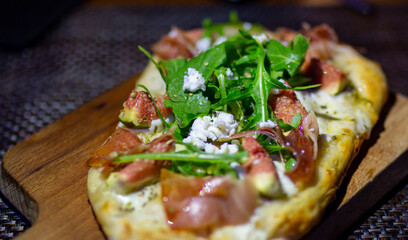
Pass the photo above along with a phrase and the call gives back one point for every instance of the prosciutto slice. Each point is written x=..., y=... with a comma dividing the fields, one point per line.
x=178, y=44
x=121, y=140
x=140, y=173
x=302, y=141
x=205, y=203
x=148, y=170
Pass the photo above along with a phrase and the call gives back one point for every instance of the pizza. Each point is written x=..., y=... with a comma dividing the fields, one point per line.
x=234, y=131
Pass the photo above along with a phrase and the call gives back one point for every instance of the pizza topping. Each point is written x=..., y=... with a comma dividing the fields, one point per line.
x=303, y=143
x=121, y=140
x=321, y=32
x=285, y=105
x=206, y=128
x=139, y=110
x=140, y=173
x=261, y=168
x=230, y=127
x=193, y=81
x=203, y=44
x=205, y=203
x=332, y=80
x=178, y=44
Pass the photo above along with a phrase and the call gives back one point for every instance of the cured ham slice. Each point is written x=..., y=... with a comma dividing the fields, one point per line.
x=322, y=32
x=261, y=168
x=121, y=140
x=142, y=172
x=178, y=44
x=205, y=203
x=302, y=141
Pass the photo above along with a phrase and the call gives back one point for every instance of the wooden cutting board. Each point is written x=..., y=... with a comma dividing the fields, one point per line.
x=45, y=175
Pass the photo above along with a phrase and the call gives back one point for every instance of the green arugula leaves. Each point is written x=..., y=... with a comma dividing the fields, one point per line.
x=239, y=75
x=287, y=58
x=186, y=105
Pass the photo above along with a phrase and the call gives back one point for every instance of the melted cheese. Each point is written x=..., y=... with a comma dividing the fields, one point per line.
x=338, y=114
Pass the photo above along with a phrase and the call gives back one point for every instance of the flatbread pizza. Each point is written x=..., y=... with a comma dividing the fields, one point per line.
x=235, y=132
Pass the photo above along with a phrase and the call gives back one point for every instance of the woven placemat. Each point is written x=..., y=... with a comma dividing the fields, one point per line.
x=95, y=48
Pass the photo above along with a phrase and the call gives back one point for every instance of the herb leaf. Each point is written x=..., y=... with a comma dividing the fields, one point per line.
x=296, y=120
x=186, y=106
x=287, y=58
x=185, y=156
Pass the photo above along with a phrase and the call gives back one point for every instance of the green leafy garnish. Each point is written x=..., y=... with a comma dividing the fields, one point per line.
x=185, y=157
x=186, y=106
x=290, y=164
x=287, y=58
x=296, y=120
x=240, y=74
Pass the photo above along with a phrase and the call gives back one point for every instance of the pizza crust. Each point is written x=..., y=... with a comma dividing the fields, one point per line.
x=288, y=218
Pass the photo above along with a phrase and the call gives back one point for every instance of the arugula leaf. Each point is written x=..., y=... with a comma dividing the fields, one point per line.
x=296, y=120
x=186, y=111
x=171, y=67
x=234, y=95
x=287, y=58
x=186, y=105
x=262, y=88
x=185, y=156
x=152, y=60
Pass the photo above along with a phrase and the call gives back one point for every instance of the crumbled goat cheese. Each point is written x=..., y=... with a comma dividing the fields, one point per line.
x=157, y=125
x=247, y=25
x=220, y=40
x=173, y=33
x=211, y=128
x=203, y=44
x=193, y=81
x=262, y=38
x=275, y=91
x=230, y=74
x=224, y=148
x=267, y=124
x=287, y=185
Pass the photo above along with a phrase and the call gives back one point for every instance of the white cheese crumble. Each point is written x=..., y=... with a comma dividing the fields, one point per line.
x=206, y=128
x=172, y=34
x=287, y=185
x=247, y=25
x=229, y=73
x=157, y=126
x=267, y=124
x=224, y=148
x=203, y=44
x=193, y=81
x=220, y=40
x=262, y=38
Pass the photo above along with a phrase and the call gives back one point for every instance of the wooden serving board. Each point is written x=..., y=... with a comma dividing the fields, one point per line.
x=45, y=175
